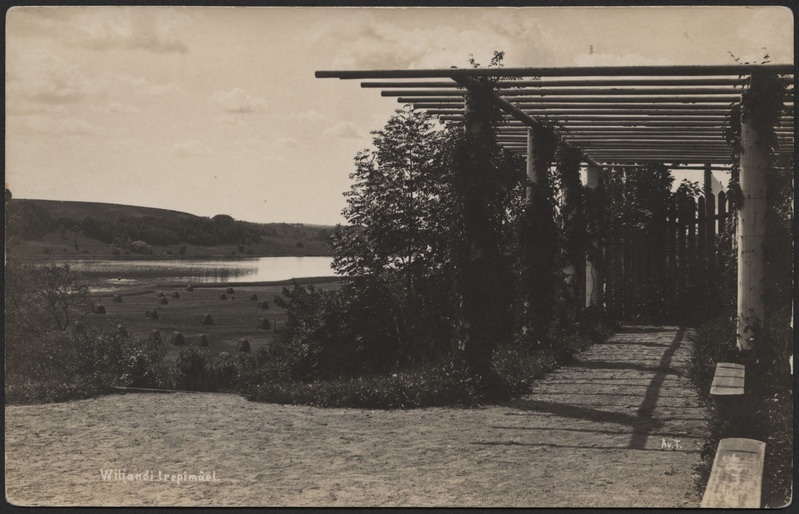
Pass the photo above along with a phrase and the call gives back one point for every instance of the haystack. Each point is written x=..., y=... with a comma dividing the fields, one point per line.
x=230, y=290
x=253, y=296
x=151, y=314
x=264, y=324
x=178, y=339
x=223, y=296
x=207, y=320
x=156, y=336
x=264, y=304
x=202, y=340
x=117, y=298
x=190, y=288
x=100, y=309
x=176, y=295
x=243, y=346
x=163, y=301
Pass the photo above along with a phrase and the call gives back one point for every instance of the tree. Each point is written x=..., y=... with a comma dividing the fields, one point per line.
x=32, y=292
x=399, y=208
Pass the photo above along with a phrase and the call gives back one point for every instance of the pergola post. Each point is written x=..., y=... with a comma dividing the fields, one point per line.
x=594, y=279
x=482, y=283
x=537, y=236
x=573, y=227
x=754, y=165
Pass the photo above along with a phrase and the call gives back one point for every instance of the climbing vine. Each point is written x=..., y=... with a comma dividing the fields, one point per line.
x=761, y=104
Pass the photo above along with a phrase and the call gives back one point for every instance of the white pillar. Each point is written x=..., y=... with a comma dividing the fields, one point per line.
x=593, y=273
x=751, y=233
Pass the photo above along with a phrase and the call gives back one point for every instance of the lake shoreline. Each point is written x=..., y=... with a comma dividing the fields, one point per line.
x=129, y=290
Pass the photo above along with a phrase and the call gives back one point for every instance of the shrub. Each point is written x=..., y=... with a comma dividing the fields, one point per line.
x=192, y=369
x=140, y=247
x=80, y=363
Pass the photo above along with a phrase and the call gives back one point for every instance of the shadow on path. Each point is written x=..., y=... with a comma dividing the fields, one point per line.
x=638, y=418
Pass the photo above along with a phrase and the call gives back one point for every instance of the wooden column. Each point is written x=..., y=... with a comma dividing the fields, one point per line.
x=751, y=230
x=483, y=282
x=537, y=237
x=594, y=279
x=573, y=227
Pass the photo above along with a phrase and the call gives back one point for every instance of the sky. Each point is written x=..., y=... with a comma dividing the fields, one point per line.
x=217, y=111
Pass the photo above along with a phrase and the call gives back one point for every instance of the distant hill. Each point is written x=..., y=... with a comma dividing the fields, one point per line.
x=45, y=229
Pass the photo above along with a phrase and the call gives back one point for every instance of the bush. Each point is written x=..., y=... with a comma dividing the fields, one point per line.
x=192, y=369
x=80, y=363
x=370, y=325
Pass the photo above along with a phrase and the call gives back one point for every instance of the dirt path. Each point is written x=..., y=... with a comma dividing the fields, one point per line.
x=592, y=434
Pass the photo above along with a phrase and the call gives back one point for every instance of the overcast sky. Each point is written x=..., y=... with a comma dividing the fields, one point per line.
x=216, y=110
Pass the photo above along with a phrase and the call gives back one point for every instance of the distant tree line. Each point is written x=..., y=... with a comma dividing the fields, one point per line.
x=27, y=221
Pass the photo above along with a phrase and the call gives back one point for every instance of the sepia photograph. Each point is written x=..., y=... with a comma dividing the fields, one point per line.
x=487, y=257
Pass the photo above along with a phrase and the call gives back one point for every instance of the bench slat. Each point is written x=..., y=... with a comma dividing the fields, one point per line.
x=737, y=475
x=728, y=380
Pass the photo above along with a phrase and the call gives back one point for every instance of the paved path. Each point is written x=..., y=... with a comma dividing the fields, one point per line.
x=619, y=428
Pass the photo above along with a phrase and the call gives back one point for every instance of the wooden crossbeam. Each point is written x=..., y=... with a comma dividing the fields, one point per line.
x=572, y=83
x=673, y=92
x=591, y=100
x=577, y=71
x=603, y=112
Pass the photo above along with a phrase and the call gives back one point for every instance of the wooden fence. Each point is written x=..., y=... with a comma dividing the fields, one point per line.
x=656, y=273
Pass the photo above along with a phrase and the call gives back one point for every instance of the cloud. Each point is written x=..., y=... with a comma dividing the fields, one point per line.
x=428, y=38
x=160, y=89
x=143, y=86
x=623, y=59
x=311, y=117
x=123, y=108
x=237, y=101
x=41, y=76
x=190, y=147
x=45, y=125
x=344, y=130
x=233, y=119
x=287, y=142
x=152, y=30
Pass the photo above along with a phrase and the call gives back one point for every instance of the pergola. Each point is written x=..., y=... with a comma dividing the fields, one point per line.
x=616, y=117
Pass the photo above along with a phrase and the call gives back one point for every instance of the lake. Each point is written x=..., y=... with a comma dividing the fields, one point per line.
x=106, y=275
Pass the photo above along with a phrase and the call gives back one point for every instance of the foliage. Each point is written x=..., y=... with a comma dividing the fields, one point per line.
x=400, y=204
x=79, y=363
x=35, y=293
x=369, y=325
x=637, y=200
x=535, y=245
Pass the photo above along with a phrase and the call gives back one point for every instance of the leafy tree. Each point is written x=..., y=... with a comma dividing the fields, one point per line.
x=36, y=292
x=399, y=208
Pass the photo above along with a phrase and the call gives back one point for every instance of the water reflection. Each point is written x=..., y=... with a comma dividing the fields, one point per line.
x=260, y=269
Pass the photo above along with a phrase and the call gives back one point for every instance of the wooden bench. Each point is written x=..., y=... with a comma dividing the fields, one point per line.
x=736, y=479
x=728, y=393
x=728, y=380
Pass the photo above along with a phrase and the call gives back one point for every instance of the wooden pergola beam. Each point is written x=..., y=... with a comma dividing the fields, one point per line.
x=569, y=107
x=734, y=70
x=674, y=92
x=571, y=83
x=590, y=100
x=617, y=118
x=516, y=113
x=603, y=112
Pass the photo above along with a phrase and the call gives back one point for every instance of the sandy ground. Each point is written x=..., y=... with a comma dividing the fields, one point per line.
x=620, y=428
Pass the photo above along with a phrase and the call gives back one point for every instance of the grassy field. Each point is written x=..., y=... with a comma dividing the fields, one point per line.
x=235, y=318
